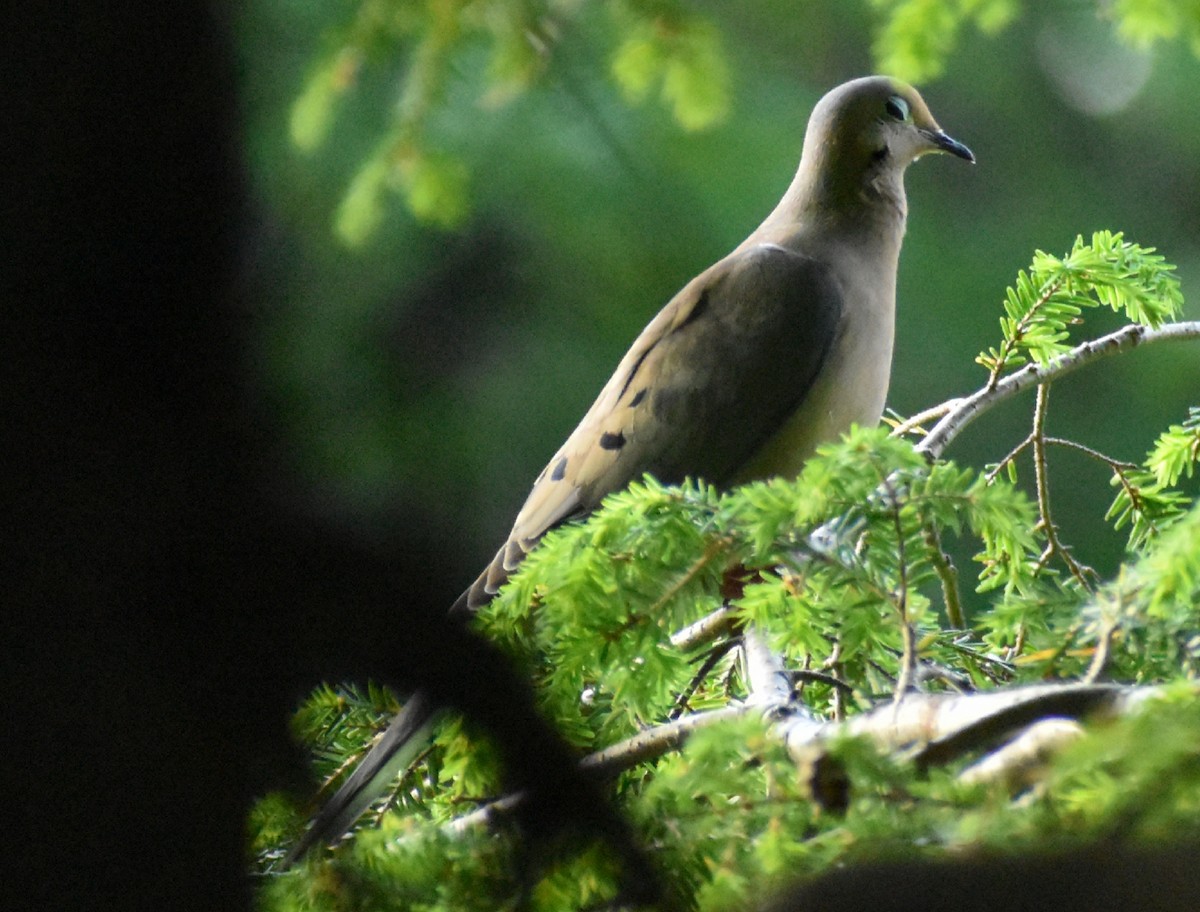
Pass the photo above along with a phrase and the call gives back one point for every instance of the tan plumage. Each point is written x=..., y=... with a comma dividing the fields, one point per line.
x=779, y=346
x=774, y=349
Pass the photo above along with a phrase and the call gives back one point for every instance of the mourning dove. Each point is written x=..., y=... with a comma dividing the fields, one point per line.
x=771, y=351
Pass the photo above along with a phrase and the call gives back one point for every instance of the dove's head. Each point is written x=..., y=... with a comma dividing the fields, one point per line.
x=863, y=134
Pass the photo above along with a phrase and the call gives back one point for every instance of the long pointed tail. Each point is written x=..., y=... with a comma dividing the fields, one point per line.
x=399, y=746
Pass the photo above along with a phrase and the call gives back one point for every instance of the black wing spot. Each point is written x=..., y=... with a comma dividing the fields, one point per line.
x=559, y=470
x=637, y=399
x=612, y=441
x=633, y=371
x=697, y=311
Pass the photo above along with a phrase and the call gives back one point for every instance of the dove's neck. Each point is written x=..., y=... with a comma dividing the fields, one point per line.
x=866, y=209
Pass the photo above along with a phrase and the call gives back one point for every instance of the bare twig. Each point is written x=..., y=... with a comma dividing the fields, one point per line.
x=714, y=656
x=908, y=661
x=1103, y=653
x=1009, y=457
x=816, y=677
x=705, y=630
x=770, y=683
x=1115, y=464
x=965, y=410
x=1054, y=546
x=943, y=566
x=913, y=424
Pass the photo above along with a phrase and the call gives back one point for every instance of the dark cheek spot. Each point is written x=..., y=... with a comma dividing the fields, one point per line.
x=612, y=441
x=879, y=154
x=559, y=470
x=637, y=400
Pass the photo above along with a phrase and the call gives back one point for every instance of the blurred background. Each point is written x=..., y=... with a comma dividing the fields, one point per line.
x=421, y=370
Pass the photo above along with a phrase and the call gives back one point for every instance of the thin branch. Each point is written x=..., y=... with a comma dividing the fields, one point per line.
x=968, y=408
x=1103, y=653
x=1115, y=464
x=1009, y=457
x=908, y=661
x=658, y=740
x=816, y=677
x=770, y=684
x=705, y=630
x=1042, y=483
x=947, y=575
x=914, y=422
x=714, y=656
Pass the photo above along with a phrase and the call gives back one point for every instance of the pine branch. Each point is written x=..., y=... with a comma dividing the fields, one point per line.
x=645, y=745
x=947, y=726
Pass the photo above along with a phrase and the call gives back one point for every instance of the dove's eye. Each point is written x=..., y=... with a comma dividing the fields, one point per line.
x=897, y=108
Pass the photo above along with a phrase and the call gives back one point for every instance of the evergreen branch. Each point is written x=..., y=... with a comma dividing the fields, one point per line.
x=1146, y=499
x=645, y=745
x=1048, y=297
x=714, y=549
x=968, y=408
x=947, y=726
x=1018, y=332
x=659, y=739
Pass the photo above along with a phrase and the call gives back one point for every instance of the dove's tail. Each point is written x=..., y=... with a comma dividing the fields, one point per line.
x=401, y=742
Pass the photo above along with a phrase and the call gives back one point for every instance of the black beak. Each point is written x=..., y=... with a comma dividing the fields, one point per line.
x=946, y=143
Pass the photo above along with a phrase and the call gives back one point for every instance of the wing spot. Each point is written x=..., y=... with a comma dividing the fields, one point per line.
x=612, y=441
x=698, y=310
x=637, y=399
x=559, y=470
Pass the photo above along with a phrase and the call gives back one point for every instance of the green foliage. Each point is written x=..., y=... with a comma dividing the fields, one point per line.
x=1053, y=292
x=682, y=55
x=659, y=44
x=1144, y=22
x=916, y=36
x=1152, y=609
x=1147, y=499
x=593, y=607
x=504, y=49
x=843, y=570
x=869, y=567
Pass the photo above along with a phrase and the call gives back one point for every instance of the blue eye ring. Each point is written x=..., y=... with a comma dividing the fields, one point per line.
x=897, y=108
